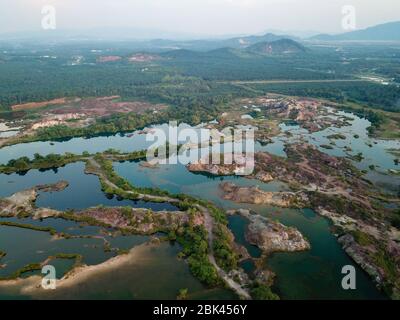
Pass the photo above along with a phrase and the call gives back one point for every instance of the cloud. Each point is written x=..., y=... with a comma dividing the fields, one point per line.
x=243, y=3
x=208, y=17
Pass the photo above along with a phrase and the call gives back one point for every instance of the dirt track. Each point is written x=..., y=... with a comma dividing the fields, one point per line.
x=209, y=223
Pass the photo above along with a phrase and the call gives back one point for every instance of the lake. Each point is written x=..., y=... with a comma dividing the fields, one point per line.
x=306, y=275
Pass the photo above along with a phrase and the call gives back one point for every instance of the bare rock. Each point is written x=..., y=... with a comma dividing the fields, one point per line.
x=265, y=276
x=254, y=195
x=55, y=187
x=22, y=201
x=264, y=177
x=361, y=256
x=271, y=236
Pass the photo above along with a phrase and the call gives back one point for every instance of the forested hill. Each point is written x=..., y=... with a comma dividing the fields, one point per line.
x=278, y=47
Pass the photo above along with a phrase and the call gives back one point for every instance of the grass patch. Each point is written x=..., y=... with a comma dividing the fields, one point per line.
x=362, y=238
x=50, y=230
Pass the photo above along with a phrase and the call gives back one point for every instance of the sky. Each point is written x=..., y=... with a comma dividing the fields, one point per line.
x=197, y=17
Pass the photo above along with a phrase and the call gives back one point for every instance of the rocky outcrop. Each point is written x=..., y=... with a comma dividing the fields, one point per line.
x=149, y=164
x=230, y=164
x=265, y=276
x=43, y=213
x=271, y=236
x=340, y=221
x=135, y=220
x=19, y=202
x=23, y=202
x=254, y=195
x=361, y=255
x=140, y=221
x=217, y=170
x=264, y=177
x=55, y=187
x=375, y=248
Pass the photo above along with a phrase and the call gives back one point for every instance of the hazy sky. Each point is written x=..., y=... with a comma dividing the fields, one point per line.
x=197, y=17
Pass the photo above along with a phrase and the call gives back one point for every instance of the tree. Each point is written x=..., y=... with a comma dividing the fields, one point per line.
x=183, y=294
x=263, y=292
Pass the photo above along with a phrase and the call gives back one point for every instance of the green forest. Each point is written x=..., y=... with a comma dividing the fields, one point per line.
x=185, y=78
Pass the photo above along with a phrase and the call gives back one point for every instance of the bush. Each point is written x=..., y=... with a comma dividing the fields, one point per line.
x=362, y=238
x=395, y=220
x=263, y=292
x=195, y=248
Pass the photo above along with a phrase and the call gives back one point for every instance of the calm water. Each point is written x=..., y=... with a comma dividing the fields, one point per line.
x=375, y=152
x=83, y=191
x=123, y=142
x=312, y=274
x=369, y=147
x=238, y=225
x=24, y=246
x=135, y=280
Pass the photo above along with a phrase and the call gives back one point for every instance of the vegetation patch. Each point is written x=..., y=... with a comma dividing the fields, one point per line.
x=337, y=136
x=50, y=230
x=195, y=249
x=261, y=291
x=31, y=267
x=50, y=161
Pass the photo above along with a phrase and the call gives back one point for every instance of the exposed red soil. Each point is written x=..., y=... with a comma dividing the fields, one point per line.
x=142, y=57
x=105, y=106
x=36, y=105
x=108, y=59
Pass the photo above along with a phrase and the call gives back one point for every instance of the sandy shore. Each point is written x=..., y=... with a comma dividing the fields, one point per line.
x=32, y=286
x=5, y=127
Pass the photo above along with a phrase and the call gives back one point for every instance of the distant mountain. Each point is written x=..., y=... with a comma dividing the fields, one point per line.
x=383, y=32
x=265, y=48
x=278, y=47
x=214, y=44
x=243, y=42
x=293, y=34
x=98, y=34
x=141, y=38
x=181, y=53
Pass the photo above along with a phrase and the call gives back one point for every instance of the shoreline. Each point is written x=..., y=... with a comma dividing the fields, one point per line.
x=32, y=285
